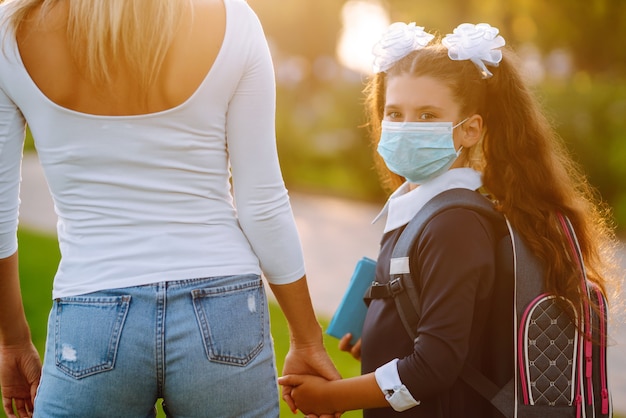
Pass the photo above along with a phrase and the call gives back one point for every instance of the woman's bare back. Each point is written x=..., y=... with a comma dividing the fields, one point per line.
x=45, y=52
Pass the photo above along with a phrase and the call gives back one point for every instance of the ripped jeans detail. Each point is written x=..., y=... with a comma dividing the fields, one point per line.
x=80, y=348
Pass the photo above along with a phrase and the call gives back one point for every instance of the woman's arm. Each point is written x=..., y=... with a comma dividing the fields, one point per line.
x=20, y=365
x=307, y=354
x=263, y=207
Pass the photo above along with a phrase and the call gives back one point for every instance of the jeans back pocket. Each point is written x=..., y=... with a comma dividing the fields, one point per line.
x=231, y=320
x=87, y=333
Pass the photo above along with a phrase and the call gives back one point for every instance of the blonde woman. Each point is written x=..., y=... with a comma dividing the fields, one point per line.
x=146, y=114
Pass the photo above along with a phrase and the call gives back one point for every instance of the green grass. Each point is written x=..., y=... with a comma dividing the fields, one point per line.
x=39, y=256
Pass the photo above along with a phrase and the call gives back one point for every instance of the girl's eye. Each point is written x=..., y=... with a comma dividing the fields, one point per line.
x=393, y=115
x=426, y=116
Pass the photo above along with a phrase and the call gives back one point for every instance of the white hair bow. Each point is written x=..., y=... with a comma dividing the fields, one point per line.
x=477, y=43
x=397, y=42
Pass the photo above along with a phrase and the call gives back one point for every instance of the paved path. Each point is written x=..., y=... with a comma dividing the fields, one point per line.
x=335, y=234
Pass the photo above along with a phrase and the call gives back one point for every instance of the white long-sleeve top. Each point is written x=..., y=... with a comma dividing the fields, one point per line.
x=147, y=198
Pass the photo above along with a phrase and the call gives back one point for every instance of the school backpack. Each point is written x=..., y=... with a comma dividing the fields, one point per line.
x=560, y=369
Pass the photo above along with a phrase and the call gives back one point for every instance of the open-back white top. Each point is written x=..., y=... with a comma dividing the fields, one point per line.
x=147, y=198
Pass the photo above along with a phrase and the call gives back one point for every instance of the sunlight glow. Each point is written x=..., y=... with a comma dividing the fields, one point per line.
x=363, y=23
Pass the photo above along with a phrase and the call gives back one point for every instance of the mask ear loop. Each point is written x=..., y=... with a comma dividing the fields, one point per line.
x=461, y=123
x=458, y=152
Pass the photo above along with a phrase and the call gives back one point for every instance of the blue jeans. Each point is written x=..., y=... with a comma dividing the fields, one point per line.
x=203, y=345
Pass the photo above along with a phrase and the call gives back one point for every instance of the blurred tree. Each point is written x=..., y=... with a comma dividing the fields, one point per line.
x=575, y=49
x=298, y=27
x=319, y=109
x=593, y=31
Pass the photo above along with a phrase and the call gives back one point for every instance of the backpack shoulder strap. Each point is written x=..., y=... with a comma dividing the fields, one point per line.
x=404, y=292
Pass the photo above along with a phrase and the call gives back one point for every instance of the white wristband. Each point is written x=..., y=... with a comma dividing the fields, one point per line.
x=395, y=392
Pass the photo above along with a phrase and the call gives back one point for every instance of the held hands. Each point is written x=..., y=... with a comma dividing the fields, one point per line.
x=20, y=371
x=306, y=360
x=310, y=394
x=308, y=391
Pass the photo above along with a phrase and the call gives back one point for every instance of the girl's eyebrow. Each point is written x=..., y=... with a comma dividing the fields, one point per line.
x=416, y=109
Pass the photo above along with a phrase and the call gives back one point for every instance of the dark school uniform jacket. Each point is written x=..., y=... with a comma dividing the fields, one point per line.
x=462, y=320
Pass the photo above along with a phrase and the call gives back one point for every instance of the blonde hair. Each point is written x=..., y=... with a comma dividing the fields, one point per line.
x=109, y=36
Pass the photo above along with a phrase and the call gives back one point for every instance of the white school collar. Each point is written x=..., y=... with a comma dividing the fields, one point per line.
x=403, y=203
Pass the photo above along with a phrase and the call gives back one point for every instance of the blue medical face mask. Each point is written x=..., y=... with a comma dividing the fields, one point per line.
x=418, y=151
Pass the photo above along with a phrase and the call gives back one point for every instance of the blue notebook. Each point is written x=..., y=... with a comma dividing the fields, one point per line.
x=350, y=314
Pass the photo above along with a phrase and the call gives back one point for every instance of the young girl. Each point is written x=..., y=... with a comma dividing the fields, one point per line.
x=454, y=113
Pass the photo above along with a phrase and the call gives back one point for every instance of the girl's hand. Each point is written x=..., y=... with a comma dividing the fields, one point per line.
x=310, y=393
x=355, y=350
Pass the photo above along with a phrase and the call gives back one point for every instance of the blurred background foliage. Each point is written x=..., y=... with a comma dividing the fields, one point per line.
x=573, y=54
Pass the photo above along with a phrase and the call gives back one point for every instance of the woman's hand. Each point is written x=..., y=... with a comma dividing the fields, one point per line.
x=20, y=371
x=20, y=365
x=355, y=350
